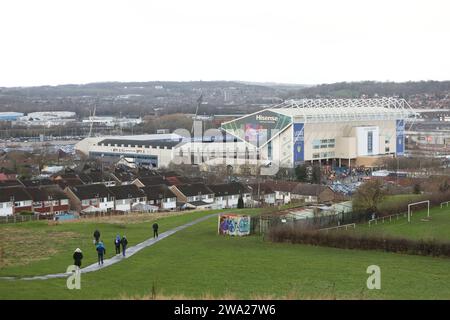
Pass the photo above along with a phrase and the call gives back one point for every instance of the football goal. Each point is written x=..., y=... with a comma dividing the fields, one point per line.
x=417, y=203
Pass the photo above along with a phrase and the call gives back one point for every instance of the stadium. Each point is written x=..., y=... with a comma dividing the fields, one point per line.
x=343, y=131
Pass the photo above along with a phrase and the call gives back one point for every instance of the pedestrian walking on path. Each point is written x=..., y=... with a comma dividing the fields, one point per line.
x=101, y=251
x=77, y=257
x=96, y=236
x=124, y=245
x=116, y=259
x=117, y=242
x=155, y=230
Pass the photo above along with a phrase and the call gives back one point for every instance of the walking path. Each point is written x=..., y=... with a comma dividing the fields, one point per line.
x=118, y=258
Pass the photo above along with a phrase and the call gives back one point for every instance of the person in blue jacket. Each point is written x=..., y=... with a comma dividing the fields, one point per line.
x=117, y=242
x=101, y=251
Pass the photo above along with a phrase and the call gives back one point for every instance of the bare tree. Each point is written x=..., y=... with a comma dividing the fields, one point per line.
x=369, y=196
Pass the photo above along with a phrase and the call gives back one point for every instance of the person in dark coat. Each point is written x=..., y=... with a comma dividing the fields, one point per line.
x=101, y=251
x=77, y=257
x=117, y=242
x=124, y=242
x=96, y=236
x=155, y=230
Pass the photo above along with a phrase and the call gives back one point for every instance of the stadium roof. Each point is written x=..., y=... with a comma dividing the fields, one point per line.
x=326, y=110
x=146, y=143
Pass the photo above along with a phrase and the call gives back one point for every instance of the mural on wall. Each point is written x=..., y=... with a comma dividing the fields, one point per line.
x=234, y=225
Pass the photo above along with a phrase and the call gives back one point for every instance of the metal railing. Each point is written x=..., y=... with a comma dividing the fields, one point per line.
x=445, y=202
x=18, y=218
x=345, y=226
x=384, y=218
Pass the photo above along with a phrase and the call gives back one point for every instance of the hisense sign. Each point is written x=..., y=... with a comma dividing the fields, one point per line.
x=258, y=128
x=261, y=117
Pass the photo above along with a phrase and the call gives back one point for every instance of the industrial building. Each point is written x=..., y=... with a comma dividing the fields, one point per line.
x=47, y=118
x=112, y=121
x=10, y=116
x=342, y=132
x=152, y=150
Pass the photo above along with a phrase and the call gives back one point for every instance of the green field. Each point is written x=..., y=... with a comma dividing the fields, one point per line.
x=438, y=226
x=391, y=200
x=197, y=263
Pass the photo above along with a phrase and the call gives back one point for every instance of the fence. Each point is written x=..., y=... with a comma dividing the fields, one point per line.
x=384, y=218
x=18, y=218
x=100, y=214
x=27, y=218
x=262, y=224
x=345, y=226
x=445, y=202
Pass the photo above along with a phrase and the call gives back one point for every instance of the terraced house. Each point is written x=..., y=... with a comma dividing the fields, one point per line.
x=90, y=198
x=127, y=196
x=227, y=194
x=49, y=200
x=160, y=196
x=14, y=200
x=195, y=195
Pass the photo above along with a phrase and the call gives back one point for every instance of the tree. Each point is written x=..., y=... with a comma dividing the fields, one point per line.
x=240, y=203
x=368, y=196
x=169, y=121
x=286, y=174
x=417, y=188
x=444, y=187
x=316, y=175
x=301, y=173
x=245, y=170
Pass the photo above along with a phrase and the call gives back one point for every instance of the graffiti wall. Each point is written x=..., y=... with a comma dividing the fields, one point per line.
x=234, y=225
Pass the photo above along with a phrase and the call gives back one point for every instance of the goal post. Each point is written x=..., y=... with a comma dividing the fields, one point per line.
x=416, y=203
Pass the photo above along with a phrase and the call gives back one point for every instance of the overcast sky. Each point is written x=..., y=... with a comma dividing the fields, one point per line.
x=306, y=42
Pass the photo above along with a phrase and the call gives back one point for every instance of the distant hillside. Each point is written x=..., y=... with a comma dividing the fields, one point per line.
x=141, y=98
x=372, y=89
x=217, y=97
x=286, y=86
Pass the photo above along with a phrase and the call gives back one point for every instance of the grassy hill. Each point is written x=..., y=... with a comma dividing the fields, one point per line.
x=437, y=228
x=196, y=262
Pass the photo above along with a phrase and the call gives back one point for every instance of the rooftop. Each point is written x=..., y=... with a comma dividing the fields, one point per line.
x=9, y=114
x=126, y=191
x=91, y=191
x=234, y=188
x=146, y=143
x=46, y=193
x=324, y=110
x=14, y=193
x=37, y=182
x=158, y=192
x=194, y=189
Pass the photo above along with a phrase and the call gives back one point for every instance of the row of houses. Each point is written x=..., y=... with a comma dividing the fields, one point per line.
x=126, y=198
x=148, y=192
x=42, y=200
